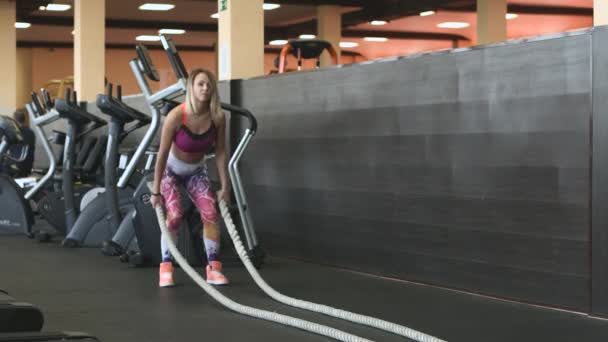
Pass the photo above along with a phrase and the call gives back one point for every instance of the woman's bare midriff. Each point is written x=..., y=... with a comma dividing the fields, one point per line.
x=190, y=158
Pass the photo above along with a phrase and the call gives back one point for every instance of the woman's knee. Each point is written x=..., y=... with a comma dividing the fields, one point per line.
x=211, y=230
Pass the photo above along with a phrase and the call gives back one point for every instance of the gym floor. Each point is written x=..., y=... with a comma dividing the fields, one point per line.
x=81, y=290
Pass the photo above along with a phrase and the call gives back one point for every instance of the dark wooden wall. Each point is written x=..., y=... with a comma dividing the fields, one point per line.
x=466, y=169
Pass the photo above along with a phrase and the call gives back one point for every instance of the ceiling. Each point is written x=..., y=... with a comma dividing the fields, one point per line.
x=408, y=32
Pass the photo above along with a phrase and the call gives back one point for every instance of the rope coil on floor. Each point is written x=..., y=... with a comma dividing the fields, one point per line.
x=324, y=309
x=247, y=310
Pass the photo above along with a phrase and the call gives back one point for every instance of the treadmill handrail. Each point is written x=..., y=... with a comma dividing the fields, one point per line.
x=74, y=112
x=178, y=66
x=154, y=101
x=37, y=122
x=253, y=122
x=113, y=107
x=137, y=115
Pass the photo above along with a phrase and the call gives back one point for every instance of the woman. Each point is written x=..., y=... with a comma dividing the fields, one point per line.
x=190, y=131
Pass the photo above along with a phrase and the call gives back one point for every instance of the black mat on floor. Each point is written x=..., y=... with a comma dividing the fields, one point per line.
x=81, y=290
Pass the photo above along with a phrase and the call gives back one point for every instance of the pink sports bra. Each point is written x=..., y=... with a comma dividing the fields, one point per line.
x=190, y=142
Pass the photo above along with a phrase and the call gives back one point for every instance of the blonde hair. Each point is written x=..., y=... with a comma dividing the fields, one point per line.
x=215, y=108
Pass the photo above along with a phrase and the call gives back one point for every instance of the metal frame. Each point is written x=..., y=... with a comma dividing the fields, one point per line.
x=239, y=192
x=38, y=121
x=153, y=100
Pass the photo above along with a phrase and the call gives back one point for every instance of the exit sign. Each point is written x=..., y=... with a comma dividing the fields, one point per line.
x=223, y=5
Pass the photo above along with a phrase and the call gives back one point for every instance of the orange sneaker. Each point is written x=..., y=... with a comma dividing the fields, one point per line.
x=165, y=274
x=214, y=274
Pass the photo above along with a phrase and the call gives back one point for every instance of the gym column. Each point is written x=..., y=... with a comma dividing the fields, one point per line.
x=8, y=66
x=24, y=85
x=241, y=39
x=491, y=21
x=89, y=48
x=600, y=12
x=329, y=28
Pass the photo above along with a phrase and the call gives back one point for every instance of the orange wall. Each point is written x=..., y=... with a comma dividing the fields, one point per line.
x=57, y=63
x=54, y=63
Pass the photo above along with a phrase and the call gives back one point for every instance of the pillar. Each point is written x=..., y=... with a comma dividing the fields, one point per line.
x=8, y=66
x=24, y=85
x=329, y=28
x=89, y=48
x=491, y=21
x=241, y=39
x=600, y=12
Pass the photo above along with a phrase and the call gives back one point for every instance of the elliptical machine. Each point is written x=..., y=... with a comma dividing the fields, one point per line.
x=79, y=123
x=19, y=216
x=16, y=214
x=100, y=220
x=138, y=224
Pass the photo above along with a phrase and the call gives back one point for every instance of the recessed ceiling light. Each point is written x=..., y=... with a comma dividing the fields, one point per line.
x=156, y=7
x=145, y=38
x=22, y=25
x=375, y=39
x=58, y=7
x=378, y=22
x=307, y=36
x=215, y=16
x=510, y=16
x=278, y=42
x=171, y=31
x=42, y=8
x=269, y=7
x=453, y=25
x=426, y=13
x=348, y=44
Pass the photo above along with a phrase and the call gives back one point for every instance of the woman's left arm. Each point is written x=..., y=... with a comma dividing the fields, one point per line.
x=220, y=160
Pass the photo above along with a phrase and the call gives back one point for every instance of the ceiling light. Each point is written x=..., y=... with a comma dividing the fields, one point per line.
x=42, y=8
x=510, y=16
x=378, y=22
x=348, y=44
x=453, y=25
x=426, y=13
x=375, y=39
x=22, y=25
x=278, y=42
x=145, y=38
x=171, y=31
x=215, y=16
x=156, y=7
x=307, y=36
x=269, y=7
x=58, y=7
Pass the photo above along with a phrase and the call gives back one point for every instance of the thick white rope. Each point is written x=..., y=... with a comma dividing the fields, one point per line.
x=247, y=310
x=324, y=309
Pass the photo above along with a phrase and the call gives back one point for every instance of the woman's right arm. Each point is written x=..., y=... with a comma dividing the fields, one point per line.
x=166, y=139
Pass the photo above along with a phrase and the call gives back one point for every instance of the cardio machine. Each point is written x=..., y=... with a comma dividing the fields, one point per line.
x=100, y=220
x=306, y=49
x=139, y=224
x=16, y=214
x=79, y=123
x=19, y=214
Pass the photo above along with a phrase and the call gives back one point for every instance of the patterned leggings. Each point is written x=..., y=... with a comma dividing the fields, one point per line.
x=199, y=190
